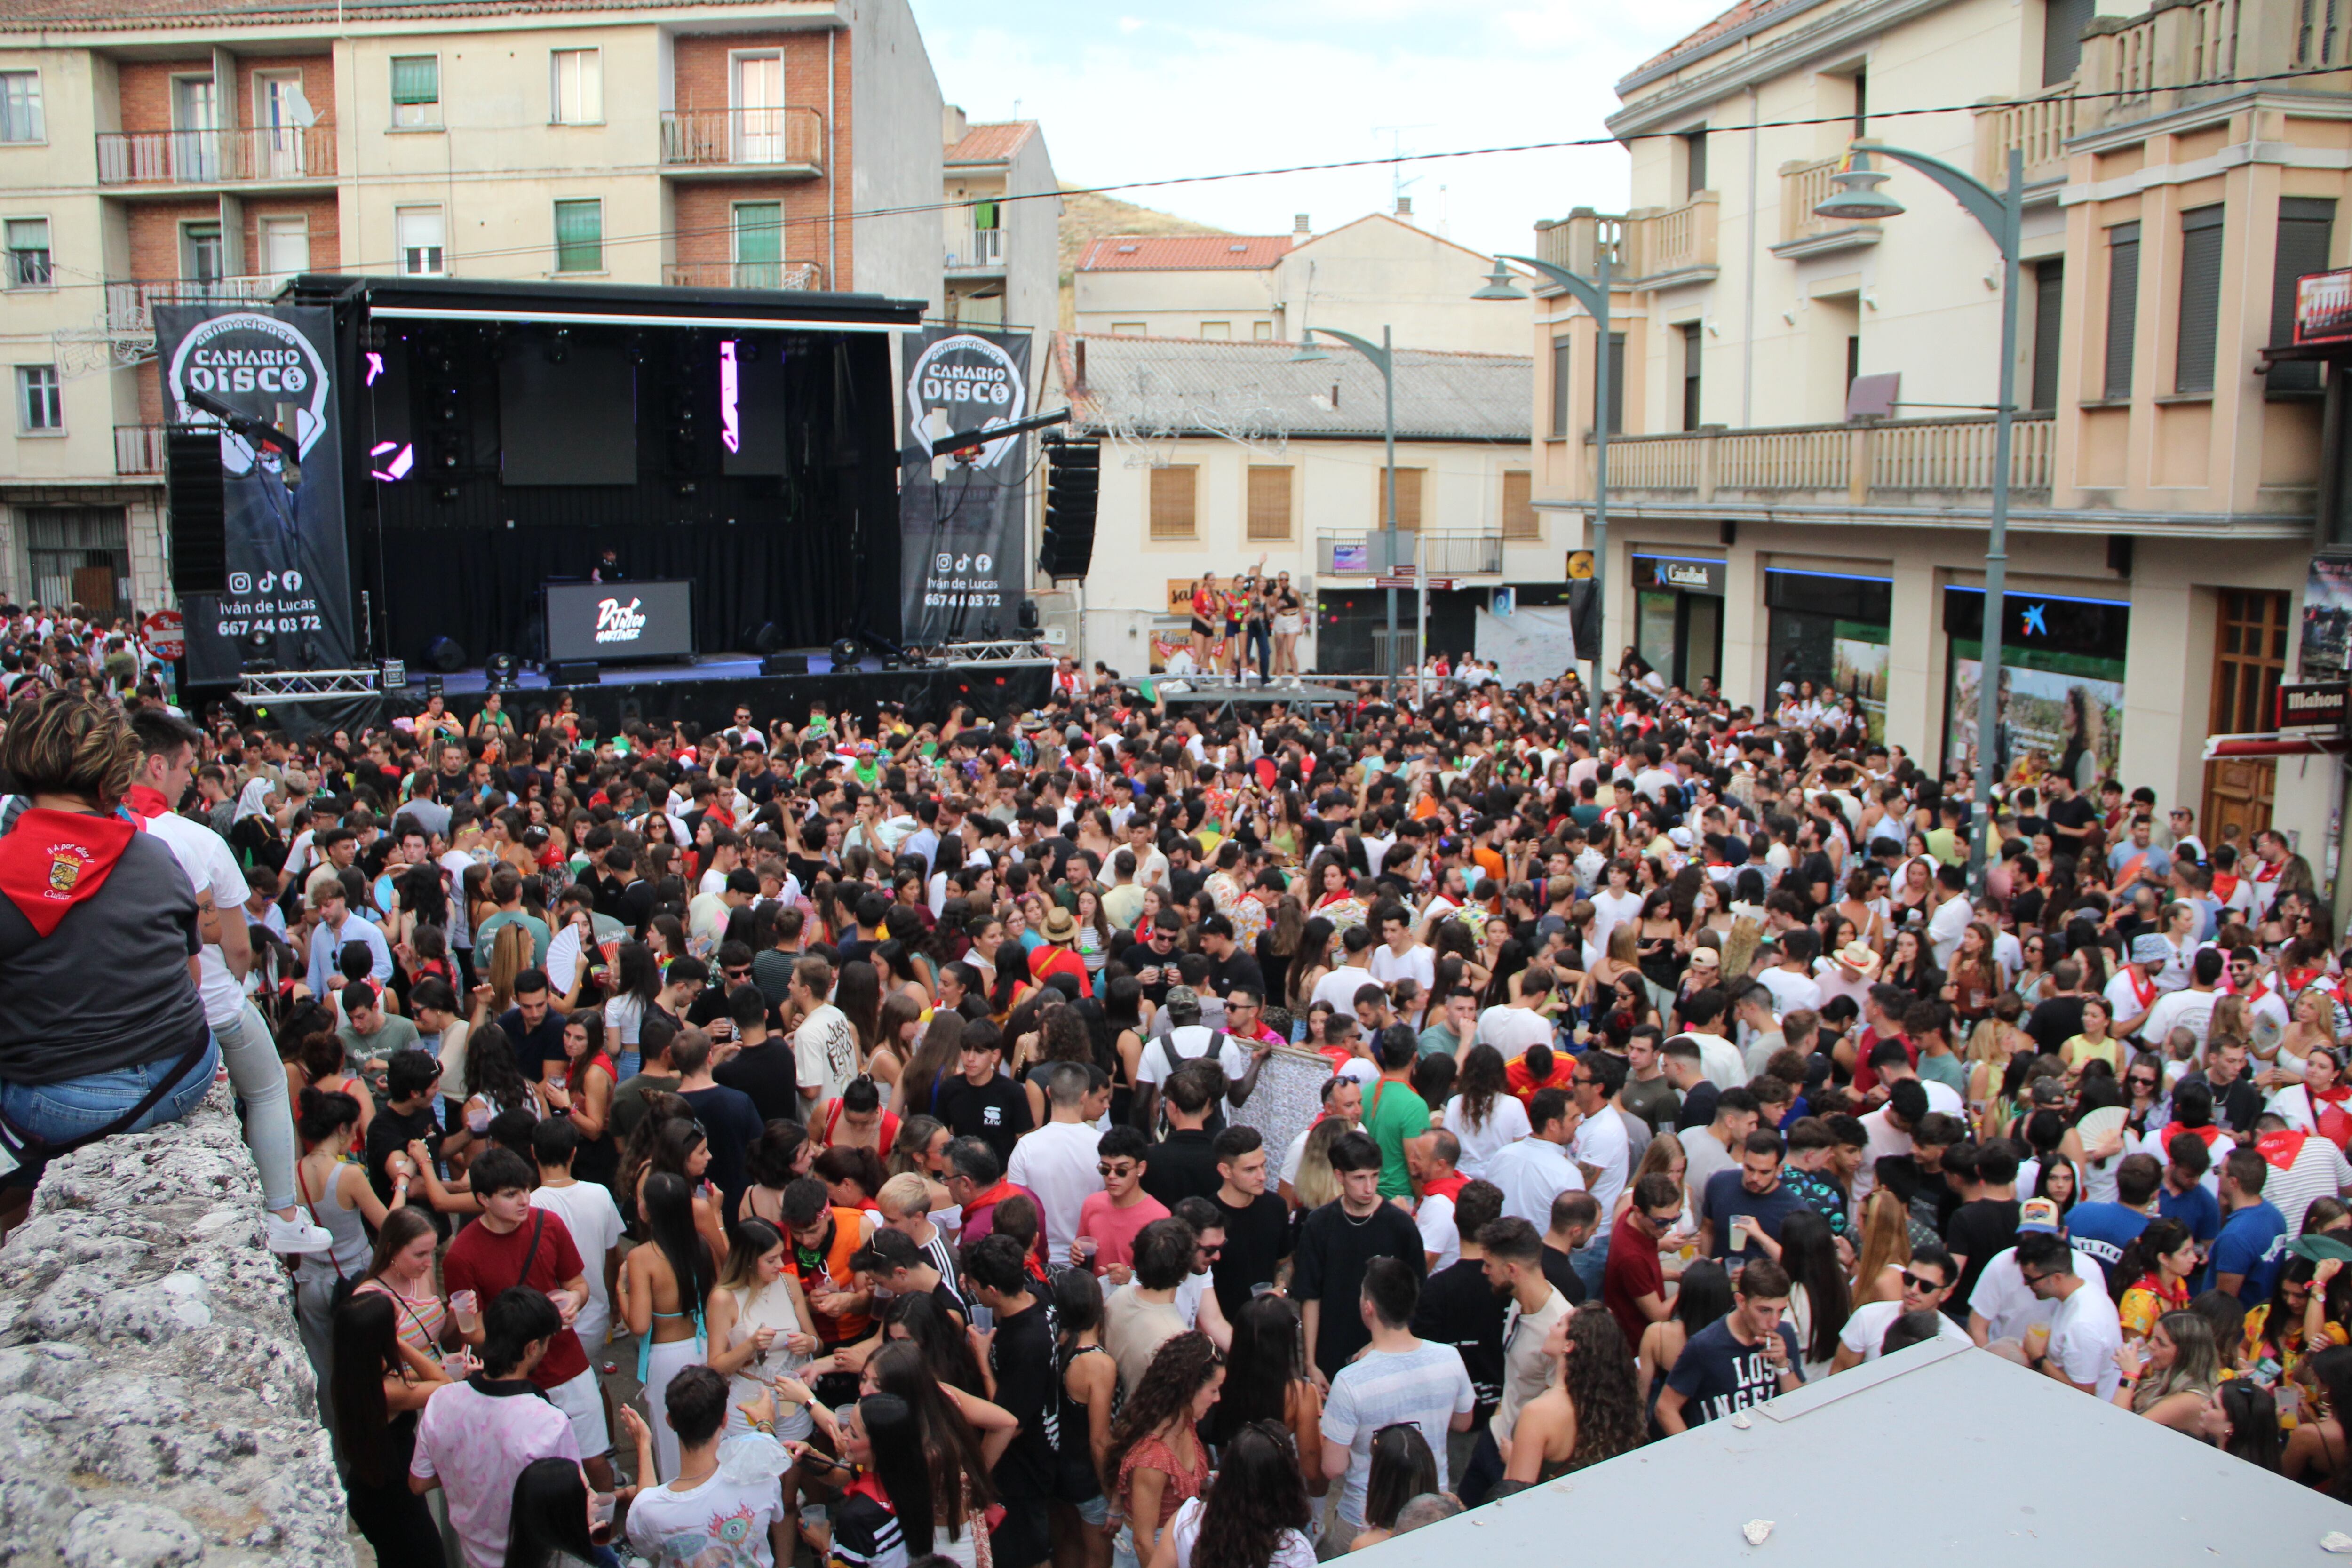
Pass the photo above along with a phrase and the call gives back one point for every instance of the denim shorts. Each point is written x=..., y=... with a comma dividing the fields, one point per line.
x=61, y=1113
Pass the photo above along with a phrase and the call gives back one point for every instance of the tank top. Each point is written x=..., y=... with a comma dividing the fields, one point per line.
x=348, y=1258
x=757, y=1308
x=1183, y=1484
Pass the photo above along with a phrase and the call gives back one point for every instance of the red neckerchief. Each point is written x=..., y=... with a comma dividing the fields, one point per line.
x=2143, y=988
x=146, y=801
x=2203, y=1134
x=1447, y=1188
x=2224, y=884
x=2280, y=1148
x=2266, y=872
x=52, y=860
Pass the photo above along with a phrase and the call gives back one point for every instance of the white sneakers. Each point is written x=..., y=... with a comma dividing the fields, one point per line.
x=295, y=1236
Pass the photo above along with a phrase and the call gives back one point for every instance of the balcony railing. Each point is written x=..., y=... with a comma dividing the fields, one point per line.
x=1901, y=456
x=976, y=250
x=1804, y=186
x=1442, y=555
x=1648, y=242
x=744, y=275
x=215, y=157
x=138, y=449
x=2038, y=126
x=790, y=139
x=130, y=307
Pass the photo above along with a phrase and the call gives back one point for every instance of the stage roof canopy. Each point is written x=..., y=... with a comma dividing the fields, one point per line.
x=490, y=299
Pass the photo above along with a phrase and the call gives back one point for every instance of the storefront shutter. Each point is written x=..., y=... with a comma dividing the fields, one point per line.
x=2201, y=299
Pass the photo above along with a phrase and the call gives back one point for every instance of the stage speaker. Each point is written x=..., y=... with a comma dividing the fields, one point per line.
x=784, y=664
x=446, y=655
x=764, y=638
x=199, y=512
x=572, y=672
x=1073, y=482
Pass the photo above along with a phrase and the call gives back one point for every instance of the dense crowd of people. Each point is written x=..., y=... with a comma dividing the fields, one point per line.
x=1113, y=1135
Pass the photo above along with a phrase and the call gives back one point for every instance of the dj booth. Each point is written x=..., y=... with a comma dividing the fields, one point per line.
x=618, y=623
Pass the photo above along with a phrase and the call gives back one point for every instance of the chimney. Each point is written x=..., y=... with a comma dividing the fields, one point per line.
x=1079, y=380
x=1300, y=225
x=1404, y=206
x=953, y=124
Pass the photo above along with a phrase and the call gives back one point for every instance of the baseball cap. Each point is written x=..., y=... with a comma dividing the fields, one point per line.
x=2038, y=1214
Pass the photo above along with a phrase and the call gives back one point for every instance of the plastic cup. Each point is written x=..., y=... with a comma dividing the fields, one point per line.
x=600, y=1517
x=1739, y=1224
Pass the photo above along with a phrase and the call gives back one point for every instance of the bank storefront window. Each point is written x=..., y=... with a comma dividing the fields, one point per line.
x=2062, y=686
x=1832, y=631
x=1678, y=616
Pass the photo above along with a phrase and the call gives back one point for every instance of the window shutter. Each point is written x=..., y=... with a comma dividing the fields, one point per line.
x=1615, y=366
x=416, y=79
x=2063, y=22
x=2306, y=232
x=1173, y=492
x=1269, y=503
x=1561, y=380
x=1408, y=500
x=2122, y=307
x=1695, y=163
x=578, y=237
x=1520, y=520
x=2201, y=299
x=2049, y=318
x=1693, y=357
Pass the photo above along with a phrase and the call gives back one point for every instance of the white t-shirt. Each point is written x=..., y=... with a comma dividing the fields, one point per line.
x=1439, y=1234
x=1417, y=963
x=1943, y=929
x=1602, y=1143
x=1426, y=1386
x=718, y=1522
x=204, y=856
x=1885, y=1138
x=1721, y=1061
x=2190, y=1009
x=824, y=1051
x=1339, y=988
x=2085, y=1332
x=1506, y=1122
x=1789, y=990
x=2008, y=1306
x=1190, y=1042
x=1058, y=1162
x=587, y=1211
x=1531, y=1173
x=1865, y=1330
x=1610, y=910
x=1511, y=1030
x=1295, y=1550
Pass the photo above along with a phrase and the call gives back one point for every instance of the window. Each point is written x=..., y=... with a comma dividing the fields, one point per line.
x=1269, y=503
x=577, y=94
x=419, y=233
x=2201, y=299
x=1694, y=355
x=1132, y=329
x=1694, y=162
x=1408, y=499
x=1861, y=104
x=1261, y=331
x=759, y=244
x=1173, y=494
x=415, y=89
x=28, y=252
x=2122, y=307
x=2063, y=22
x=1561, y=358
x=2306, y=234
x=1218, y=330
x=580, y=236
x=200, y=252
x=20, y=107
x=2049, y=318
x=39, y=404
x=1615, y=366
x=1521, y=519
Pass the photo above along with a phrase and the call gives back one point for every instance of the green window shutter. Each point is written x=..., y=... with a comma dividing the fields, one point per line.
x=2201, y=299
x=416, y=79
x=2305, y=228
x=580, y=236
x=2122, y=307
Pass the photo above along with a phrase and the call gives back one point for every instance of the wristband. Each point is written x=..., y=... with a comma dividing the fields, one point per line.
x=767, y=1426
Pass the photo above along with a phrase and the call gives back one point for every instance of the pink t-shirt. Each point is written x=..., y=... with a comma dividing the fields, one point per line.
x=478, y=1443
x=1114, y=1228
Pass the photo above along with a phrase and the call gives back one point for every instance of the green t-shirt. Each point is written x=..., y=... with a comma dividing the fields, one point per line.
x=486, y=933
x=1393, y=1114
x=1947, y=1069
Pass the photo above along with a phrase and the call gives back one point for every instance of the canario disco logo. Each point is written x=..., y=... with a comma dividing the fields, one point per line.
x=259, y=363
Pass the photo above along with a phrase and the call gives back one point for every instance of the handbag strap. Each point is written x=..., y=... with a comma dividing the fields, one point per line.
x=530, y=1254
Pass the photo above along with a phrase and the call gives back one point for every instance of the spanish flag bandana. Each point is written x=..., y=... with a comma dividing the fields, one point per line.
x=52, y=860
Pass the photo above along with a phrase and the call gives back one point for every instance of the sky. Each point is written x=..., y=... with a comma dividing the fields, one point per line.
x=1215, y=86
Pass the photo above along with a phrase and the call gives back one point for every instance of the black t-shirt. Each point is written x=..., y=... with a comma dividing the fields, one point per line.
x=996, y=1112
x=1257, y=1238
x=2073, y=812
x=390, y=1133
x=1716, y=1375
x=765, y=1073
x=1182, y=1165
x=1815, y=869
x=2055, y=1021
x=533, y=1047
x=1029, y=1386
x=1140, y=957
x=1274, y=968
x=1977, y=1231
x=1238, y=968
x=1333, y=1249
x=1458, y=1308
x=1699, y=1106
x=732, y=1125
x=1562, y=1275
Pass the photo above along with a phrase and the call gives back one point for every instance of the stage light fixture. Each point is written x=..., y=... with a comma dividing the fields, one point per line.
x=847, y=652
x=501, y=671
x=446, y=655
x=1027, y=618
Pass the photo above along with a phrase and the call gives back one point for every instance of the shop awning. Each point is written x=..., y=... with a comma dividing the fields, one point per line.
x=2276, y=744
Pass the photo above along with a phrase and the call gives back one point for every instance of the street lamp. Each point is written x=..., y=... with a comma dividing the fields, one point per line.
x=2002, y=216
x=1593, y=295
x=1384, y=357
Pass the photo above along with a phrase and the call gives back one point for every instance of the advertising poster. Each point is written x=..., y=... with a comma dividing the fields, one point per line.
x=288, y=578
x=1170, y=640
x=1858, y=668
x=2326, y=618
x=2050, y=719
x=964, y=519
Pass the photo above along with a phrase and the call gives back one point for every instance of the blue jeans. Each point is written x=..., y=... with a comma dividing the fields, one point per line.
x=60, y=1112
x=626, y=1065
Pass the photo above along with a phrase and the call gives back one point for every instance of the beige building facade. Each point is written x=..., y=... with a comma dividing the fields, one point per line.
x=1002, y=227
x=2166, y=482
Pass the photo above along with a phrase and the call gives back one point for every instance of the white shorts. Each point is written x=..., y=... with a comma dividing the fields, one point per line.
x=1286, y=625
x=581, y=1400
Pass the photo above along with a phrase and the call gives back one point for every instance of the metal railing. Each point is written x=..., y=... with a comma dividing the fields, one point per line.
x=790, y=137
x=1892, y=456
x=138, y=449
x=1442, y=555
x=975, y=249
x=130, y=307
x=215, y=157
x=744, y=275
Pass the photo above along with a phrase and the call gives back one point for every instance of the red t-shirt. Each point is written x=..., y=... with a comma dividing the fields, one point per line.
x=1114, y=1228
x=1522, y=1083
x=1632, y=1272
x=1866, y=1077
x=487, y=1263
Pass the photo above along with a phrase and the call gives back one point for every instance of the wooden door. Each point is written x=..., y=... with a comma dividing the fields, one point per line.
x=2248, y=658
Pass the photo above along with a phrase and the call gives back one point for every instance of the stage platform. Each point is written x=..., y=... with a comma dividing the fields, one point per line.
x=1222, y=692
x=706, y=667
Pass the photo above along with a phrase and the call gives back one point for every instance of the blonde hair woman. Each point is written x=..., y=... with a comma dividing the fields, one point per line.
x=1886, y=1248
x=1316, y=1183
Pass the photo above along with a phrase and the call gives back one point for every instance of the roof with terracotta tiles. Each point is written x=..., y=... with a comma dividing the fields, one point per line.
x=1183, y=252
x=118, y=15
x=1198, y=386
x=991, y=143
x=1746, y=11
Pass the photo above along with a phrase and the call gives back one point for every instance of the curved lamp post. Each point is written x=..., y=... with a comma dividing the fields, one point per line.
x=1858, y=198
x=1592, y=293
x=1384, y=357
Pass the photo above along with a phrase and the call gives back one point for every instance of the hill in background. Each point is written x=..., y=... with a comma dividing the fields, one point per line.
x=1087, y=215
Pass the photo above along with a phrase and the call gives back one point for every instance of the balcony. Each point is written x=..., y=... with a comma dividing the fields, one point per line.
x=787, y=141
x=1650, y=247
x=138, y=450
x=2038, y=126
x=270, y=156
x=1442, y=555
x=1804, y=186
x=744, y=275
x=972, y=250
x=1853, y=463
x=130, y=307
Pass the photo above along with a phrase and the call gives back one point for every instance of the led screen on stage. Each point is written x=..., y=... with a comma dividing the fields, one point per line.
x=609, y=621
x=569, y=423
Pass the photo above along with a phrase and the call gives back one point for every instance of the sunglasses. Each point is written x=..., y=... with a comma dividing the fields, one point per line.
x=1921, y=1282
x=1119, y=1171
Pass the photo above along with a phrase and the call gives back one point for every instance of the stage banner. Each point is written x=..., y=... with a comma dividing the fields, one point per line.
x=287, y=572
x=964, y=521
